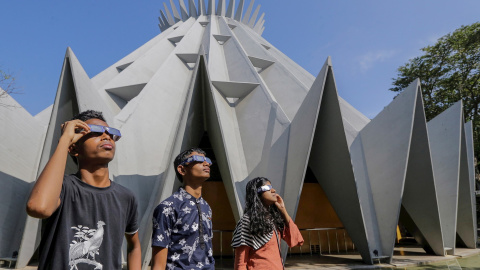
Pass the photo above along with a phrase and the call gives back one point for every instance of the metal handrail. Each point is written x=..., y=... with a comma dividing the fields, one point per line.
x=309, y=230
x=318, y=230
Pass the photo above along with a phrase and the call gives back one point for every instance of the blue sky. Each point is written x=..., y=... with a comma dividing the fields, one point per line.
x=367, y=40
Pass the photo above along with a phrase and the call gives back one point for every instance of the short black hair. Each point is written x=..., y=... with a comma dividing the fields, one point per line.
x=89, y=114
x=182, y=156
x=86, y=115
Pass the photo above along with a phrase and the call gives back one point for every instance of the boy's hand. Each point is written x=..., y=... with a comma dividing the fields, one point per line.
x=73, y=130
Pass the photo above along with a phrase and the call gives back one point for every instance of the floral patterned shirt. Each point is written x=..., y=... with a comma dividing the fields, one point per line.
x=177, y=226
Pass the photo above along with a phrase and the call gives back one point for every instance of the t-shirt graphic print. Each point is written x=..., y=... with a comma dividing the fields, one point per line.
x=86, y=245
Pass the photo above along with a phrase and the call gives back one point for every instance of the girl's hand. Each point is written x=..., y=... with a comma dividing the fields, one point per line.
x=280, y=204
x=281, y=207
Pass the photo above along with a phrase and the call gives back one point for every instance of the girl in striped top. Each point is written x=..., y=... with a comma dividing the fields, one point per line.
x=256, y=238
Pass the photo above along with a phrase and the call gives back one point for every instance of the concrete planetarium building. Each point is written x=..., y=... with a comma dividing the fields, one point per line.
x=210, y=80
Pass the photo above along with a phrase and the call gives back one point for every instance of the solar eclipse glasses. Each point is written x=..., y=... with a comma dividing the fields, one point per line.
x=113, y=132
x=196, y=158
x=264, y=188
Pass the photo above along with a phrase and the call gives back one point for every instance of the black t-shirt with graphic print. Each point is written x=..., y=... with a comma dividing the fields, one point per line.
x=87, y=229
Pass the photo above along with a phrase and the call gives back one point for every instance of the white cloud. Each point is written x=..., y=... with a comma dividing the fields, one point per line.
x=368, y=60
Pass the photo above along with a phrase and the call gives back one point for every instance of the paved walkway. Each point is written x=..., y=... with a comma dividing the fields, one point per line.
x=403, y=257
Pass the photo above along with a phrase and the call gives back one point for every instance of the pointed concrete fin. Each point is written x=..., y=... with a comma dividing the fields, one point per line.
x=161, y=25
x=260, y=28
x=64, y=108
x=471, y=165
x=466, y=215
x=260, y=63
x=444, y=134
x=175, y=40
x=230, y=9
x=87, y=96
x=301, y=134
x=203, y=23
x=164, y=19
x=221, y=8
x=192, y=8
x=239, y=13
x=232, y=26
x=183, y=10
x=201, y=7
x=261, y=31
x=266, y=46
x=248, y=13
x=171, y=21
x=234, y=89
x=386, y=143
x=190, y=59
x=254, y=17
x=176, y=15
x=128, y=92
x=259, y=23
x=221, y=39
x=211, y=7
x=419, y=195
x=331, y=163
x=123, y=67
x=219, y=133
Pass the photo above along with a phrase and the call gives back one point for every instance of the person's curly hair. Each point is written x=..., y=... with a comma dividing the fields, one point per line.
x=89, y=114
x=262, y=219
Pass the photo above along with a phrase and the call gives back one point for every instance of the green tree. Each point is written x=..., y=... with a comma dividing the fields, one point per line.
x=449, y=71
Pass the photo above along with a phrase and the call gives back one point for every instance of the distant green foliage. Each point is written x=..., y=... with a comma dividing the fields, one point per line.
x=448, y=71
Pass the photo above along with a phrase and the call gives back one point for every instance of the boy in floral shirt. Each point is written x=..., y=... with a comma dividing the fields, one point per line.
x=182, y=224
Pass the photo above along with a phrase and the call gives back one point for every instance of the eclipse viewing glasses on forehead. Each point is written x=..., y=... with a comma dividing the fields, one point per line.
x=101, y=129
x=196, y=158
x=264, y=188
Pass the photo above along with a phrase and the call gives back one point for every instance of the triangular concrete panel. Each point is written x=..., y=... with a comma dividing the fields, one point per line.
x=331, y=164
x=175, y=40
x=266, y=46
x=221, y=39
x=386, y=143
x=444, y=132
x=232, y=26
x=188, y=129
x=471, y=165
x=123, y=67
x=420, y=213
x=467, y=228
x=221, y=124
x=128, y=92
x=301, y=137
x=260, y=63
x=203, y=23
x=234, y=89
x=188, y=58
x=64, y=108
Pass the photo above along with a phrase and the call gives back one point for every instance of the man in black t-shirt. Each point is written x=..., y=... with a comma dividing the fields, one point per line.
x=86, y=215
